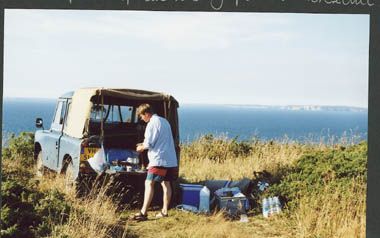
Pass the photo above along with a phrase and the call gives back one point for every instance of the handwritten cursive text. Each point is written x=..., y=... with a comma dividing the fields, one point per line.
x=368, y=3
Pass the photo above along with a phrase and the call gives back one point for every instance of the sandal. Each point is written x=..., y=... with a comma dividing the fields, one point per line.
x=140, y=217
x=161, y=215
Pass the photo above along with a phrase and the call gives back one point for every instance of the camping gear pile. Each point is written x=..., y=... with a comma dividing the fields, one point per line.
x=235, y=198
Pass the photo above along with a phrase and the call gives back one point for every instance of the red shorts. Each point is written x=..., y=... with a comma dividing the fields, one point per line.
x=160, y=174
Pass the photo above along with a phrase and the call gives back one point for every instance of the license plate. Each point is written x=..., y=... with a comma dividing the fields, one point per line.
x=87, y=153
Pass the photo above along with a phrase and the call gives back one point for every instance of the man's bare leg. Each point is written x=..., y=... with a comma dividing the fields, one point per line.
x=148, y=195
x=167, y=194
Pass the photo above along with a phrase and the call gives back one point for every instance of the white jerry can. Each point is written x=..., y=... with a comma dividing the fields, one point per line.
x=204, y=200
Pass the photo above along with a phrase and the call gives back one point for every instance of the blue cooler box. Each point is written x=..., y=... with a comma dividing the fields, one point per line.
x=190, y=194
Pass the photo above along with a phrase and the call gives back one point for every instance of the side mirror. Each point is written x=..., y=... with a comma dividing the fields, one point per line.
x=39, y=123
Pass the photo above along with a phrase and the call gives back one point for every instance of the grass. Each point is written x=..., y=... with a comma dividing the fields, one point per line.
x=324, y=186
x=93, y=216
x=336, y=212
x=220, y=158
x=181, y=224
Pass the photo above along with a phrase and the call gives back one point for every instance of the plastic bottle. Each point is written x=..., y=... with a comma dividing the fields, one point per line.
x=271, y=206
x=277, y=204
x=204, y=200
x=265, y=207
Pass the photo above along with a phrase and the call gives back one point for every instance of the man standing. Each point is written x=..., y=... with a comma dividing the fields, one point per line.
x=163, y=164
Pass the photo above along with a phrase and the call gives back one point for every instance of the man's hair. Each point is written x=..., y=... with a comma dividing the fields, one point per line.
x=144, y=108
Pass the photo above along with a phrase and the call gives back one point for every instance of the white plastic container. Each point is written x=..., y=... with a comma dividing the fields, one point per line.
x=271, y=206
x=266, y=207
x=204, y=200
x=277, y=204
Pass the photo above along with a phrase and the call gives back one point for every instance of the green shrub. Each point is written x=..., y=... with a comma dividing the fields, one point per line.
x=27, y=212
x=17, y=213
x=240, y=148
x=20, y=147
x=313, y=171
x=13, y=232
x=53, y=207
x=217, y=149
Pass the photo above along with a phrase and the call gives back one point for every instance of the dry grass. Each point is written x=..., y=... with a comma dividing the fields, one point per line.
x=98, y=216
x=337, y=212
x=17, y=170
x=94, y=216
x=203, y=160
x=182, y=224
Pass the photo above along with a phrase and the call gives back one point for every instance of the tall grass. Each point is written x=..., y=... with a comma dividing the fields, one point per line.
x=336, y=208
x=96, y=215
x=336, y=212
x=222, y=158
x=54, y=206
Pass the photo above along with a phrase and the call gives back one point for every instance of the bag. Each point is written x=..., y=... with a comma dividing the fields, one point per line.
x=98, y=162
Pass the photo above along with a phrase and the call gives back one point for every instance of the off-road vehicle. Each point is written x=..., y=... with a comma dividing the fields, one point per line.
x=91, y=118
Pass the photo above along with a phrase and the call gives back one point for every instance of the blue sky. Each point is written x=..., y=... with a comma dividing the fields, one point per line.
x=221, y=58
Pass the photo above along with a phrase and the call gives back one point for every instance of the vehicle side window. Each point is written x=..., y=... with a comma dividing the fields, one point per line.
x=63, y=112
x=113, y=115
x=96, y=112
x=59, y=115
x=68, y=111
x=127, y=114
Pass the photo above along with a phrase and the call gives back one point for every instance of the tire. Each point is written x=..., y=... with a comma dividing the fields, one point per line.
x=40, y=168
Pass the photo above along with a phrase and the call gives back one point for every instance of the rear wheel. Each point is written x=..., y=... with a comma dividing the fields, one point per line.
x=40, y=168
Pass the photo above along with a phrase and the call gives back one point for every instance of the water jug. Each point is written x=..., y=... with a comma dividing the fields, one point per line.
x=265, y=207
x=271, y=206
x=277, y=204
x=204, y=200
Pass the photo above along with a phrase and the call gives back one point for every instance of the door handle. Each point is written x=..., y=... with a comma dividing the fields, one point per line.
x=56, y=145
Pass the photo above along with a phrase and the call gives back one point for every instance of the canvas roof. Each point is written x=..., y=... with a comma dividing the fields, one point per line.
x=80, y=108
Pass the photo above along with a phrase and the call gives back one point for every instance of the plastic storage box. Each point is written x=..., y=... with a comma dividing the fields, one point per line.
x=190, y=194
x=232, y=205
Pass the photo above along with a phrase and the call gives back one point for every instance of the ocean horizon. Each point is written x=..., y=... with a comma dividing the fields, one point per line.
x=242, y=122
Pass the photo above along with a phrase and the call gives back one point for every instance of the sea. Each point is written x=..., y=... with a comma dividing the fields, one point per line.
x=242, y=123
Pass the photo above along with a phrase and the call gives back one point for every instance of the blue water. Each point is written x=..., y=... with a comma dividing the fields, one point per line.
x=20, y=114
x=195, y=120
x=247, y=123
